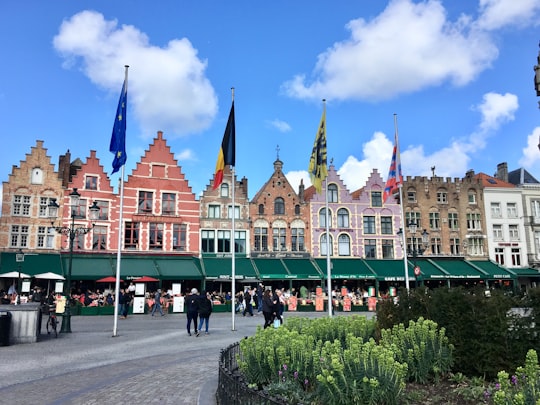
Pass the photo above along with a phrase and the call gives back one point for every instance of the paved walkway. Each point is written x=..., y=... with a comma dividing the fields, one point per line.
x=151, y=360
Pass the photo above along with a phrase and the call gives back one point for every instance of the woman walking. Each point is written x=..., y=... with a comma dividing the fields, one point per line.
x=268, y=308
x=205, y=309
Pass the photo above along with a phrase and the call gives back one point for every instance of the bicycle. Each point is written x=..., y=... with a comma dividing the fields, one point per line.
x=52, y=322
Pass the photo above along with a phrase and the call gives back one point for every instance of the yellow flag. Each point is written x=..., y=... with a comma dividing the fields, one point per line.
x=317, y=162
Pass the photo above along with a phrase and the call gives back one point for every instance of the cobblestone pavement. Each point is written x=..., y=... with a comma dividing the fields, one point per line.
x=152, y=360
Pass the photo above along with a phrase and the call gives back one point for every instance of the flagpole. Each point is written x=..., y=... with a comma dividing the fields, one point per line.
x=233, y=245
x=402, y=210
x=328, y=262
x=120, y=233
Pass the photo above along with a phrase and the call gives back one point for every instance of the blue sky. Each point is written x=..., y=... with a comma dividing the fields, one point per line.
x=458, y=74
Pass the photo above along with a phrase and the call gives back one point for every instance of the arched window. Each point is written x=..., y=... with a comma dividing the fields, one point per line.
x=343, y=218
x=324, y=247
x=297, y=209
x=261, y=209
x=279, y=206
x=224, y=191
x=344, y=245
x=322, y=217
x=332, y=193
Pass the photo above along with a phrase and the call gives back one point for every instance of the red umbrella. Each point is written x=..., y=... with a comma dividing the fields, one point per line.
x=109, y=279
x=144, y=279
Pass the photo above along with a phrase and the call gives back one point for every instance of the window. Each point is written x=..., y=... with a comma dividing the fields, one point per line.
x=436, y=246
x=224, y=241
x=388, y=249
x=453, y=222
x=168, y=203
x=511, y=210
x=442, y=197
x=386, y=226
x=370, y=249
x=214, y=211
x=454, y=246
x=475, y=247
x=472, y=197
x=322, y=218
x=332, y=193
x=37, y=176
x=499, y=256
x=376, y=199
x=413, y=217
x=145, y=202
x=103, y=210
x=99, y=238
x=537, y=243
x=297, y=209
x=80, y=210
x=155, y=236
x=131, y=235
x=513, y=232
x=208, y=241
x=279, y=206
x=179, y=237
x=261, y=209
x=19, y=236
x=224, y=190
x=236, y=212
x=342, y=218
x=21, y=205
x=44, y=206
x=516, y=257
x=297, y=239
x=434, y=220
x=344, y=245
x=535, y=209
x=369, y=224
x=496, y=210
x=325, y=247
x=411, y=196
x=240, y=241
x=278, y=239
x=78, y=242
x=261, y=239
x=473, y=222
x=91, y=183
x=497, y=232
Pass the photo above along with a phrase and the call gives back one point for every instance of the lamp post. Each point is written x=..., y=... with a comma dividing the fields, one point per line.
x=19, y=258
x=416, y=249
x=71, y=232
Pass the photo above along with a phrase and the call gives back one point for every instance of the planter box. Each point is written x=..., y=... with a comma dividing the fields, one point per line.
x=89, y=311
x=222, y=308
x=359, y=308
x=306, y=308
x=108, y=310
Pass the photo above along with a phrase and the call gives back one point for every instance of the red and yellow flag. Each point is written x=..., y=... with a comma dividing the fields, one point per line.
x=227, y=151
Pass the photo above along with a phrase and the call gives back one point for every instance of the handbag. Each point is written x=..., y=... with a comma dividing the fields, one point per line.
x=277, y=323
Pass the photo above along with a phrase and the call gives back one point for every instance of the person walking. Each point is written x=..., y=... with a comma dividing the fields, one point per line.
x=205, y=310
x=192, y=310
x=260, y=290
x=268, y=308
x=248, y=305
x=157, y=303
x=123, y=301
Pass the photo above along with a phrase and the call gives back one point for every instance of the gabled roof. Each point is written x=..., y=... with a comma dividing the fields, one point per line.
x=521, y=176
x=492, y=182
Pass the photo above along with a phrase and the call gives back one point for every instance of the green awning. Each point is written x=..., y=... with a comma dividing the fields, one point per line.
x=389, y=270
x=177, y=268
x=346, y=269
x=221, y=268
x=428, y=270
x=302, y=269
x=525, y=272
x=33, y=263
x=89, y=267
x=459, y=269
x=492, y=270
x=132, y=266
x=271, y=269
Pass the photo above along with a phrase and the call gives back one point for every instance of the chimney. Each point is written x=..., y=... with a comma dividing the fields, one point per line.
x=502, y=171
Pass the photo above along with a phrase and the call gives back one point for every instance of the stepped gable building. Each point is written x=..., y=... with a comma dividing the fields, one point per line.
x=92, y=183
x=26, y=194
x=529, y=188
x=378, y=221
x=161, y=213
x=451, y=211
x=505, y=229
x=279, y=219
x=216, y=214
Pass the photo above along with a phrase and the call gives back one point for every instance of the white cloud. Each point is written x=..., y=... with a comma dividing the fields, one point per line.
x=497, y=109
x=281, y=126
x=294, y=177
x=167, y=87
x=186, y=154
x=496, y=14
x=408, y=47
x=531, y=155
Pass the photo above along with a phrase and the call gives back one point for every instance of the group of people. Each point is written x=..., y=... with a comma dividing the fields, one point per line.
x=198, y=307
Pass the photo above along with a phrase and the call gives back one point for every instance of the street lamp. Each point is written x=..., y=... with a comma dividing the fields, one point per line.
x=71, y=232
x=19, y=258
x=416, y=249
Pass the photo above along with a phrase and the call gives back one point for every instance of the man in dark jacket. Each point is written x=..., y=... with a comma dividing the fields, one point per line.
x=205, y=309
x=192, y=310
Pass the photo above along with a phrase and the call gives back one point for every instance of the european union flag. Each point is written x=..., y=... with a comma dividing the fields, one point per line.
x=118, y=139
